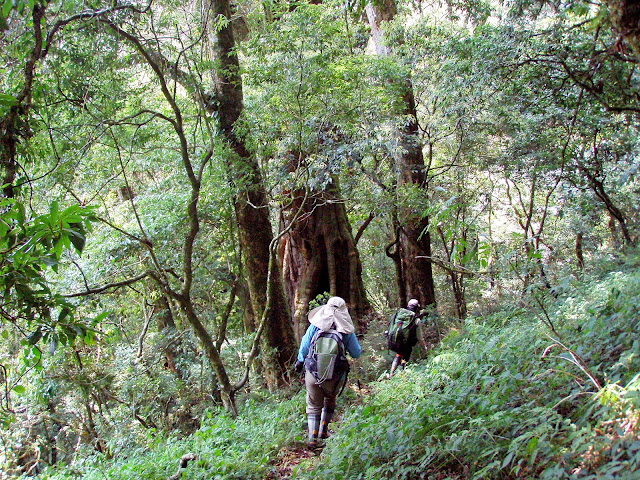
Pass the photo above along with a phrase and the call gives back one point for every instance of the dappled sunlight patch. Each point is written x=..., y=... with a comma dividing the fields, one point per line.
x=616, y=446
x=615, y=449
x=360, y=388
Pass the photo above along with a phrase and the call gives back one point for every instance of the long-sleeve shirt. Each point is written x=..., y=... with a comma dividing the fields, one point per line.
x=351, y=344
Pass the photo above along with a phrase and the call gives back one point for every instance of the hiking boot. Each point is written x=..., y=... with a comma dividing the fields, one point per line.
x=315, y=445
x=325, y=419
x=313, y=420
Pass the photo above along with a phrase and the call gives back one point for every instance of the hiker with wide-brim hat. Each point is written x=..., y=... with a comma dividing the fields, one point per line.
x=334, y=320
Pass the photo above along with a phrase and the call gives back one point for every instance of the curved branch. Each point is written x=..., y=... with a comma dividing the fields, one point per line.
x=125, y=120
x=363, y=227
x=453, y=268
x=123, y=232
x=387, y=249
x=195, y=181
x=88, y=15
x=224, y=321
x=109, y=286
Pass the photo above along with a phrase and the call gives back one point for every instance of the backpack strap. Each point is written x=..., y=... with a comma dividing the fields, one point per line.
x=346, y=378
x=392, y=320
x=343, y=352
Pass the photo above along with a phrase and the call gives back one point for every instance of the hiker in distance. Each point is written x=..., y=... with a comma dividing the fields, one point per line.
x=329, y=337
x=405, y=330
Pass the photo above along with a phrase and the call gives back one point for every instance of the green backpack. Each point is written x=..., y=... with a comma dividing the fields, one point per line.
x=400, y=325
x=327, y=358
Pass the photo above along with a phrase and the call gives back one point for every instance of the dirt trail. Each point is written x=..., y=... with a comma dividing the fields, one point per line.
x=288, y=459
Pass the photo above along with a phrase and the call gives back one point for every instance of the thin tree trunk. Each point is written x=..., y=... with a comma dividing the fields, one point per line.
x=15, y=123
x=165, y=323
x=183, y=297
x=579, y=251
x=52, y=436
x=456, y=278
x=596, y=180
x=212, y=353
x=614, y=211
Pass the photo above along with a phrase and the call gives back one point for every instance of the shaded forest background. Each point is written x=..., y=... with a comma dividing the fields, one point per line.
x=183, y=181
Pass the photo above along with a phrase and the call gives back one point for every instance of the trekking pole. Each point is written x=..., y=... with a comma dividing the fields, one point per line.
x=358, y=382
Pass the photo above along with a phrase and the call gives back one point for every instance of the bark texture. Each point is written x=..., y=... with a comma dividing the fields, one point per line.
x=251, y=206
x=15, y=124
x=319, y=255
x=412, y=249
x=625, y=19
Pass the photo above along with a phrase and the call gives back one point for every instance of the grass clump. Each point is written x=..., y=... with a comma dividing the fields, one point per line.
x=225, y=447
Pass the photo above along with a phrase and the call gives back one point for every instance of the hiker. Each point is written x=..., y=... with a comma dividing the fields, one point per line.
x=405, y=330
x=328, y=321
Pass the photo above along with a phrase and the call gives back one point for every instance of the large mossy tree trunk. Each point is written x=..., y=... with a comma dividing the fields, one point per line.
x=319, y=255
x=250, y=202
x=412, y=248
x=625, y=20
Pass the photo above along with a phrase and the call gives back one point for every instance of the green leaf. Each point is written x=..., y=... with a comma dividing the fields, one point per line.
x=64, y=313
x=58, y=247
x=89, y=338
x=531, y=449
x=19, y=389
x=35, y=337
x=507, y=459
x=6, y=99
x=54, y=209
x=99, y=318
x=20, y=213
x=76, y=236
x=6, y=8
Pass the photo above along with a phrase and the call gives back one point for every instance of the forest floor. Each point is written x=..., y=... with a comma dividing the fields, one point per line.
x=288, y=459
